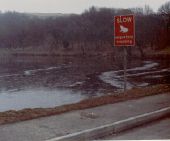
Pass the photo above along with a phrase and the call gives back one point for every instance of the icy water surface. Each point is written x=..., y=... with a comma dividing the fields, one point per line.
x=34, y=82
x=33, y=98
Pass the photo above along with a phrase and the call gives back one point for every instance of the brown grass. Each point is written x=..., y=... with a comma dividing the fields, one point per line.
x=27, y=114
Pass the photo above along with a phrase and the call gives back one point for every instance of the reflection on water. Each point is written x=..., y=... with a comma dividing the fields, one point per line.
x=30, y=82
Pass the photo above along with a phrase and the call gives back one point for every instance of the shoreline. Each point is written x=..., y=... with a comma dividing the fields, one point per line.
x=154, y=55
x=13, y=116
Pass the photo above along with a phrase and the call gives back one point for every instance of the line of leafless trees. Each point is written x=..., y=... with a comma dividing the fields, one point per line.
x=94, y=27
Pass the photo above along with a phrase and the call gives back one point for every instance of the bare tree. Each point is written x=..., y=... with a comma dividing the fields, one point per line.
x=164, y=10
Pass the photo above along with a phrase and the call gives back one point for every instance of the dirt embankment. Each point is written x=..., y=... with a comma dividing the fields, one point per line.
x=27, y=114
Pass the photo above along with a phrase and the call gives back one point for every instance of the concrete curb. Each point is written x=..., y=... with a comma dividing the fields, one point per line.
x=91, y=134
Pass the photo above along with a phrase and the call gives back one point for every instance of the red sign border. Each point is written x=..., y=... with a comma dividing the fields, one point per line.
x=133, y=28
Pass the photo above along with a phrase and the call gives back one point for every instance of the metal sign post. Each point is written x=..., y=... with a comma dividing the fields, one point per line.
x=125, y=68
x=124, y=36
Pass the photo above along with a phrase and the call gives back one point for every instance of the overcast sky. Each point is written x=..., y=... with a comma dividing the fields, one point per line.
x=72, y=6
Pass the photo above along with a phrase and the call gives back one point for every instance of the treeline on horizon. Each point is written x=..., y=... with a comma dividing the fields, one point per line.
x=94, y=27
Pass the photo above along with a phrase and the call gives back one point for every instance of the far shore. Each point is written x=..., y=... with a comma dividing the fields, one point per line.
x=148, y=54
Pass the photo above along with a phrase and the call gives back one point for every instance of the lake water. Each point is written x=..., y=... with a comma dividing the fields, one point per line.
x=42, y=82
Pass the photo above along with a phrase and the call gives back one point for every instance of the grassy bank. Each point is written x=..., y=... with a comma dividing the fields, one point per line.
x=76, y=50
x=27, y=114
x=165, y=51
x=161, y=54
x=88, y=51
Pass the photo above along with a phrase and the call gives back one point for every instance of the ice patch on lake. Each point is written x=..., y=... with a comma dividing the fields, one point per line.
x=113, y=79
x=154, y=76
x=149, y=73
x=8, y=75
x=147, y=65
x=116, y=80
x=31, y=72
x=76, y=84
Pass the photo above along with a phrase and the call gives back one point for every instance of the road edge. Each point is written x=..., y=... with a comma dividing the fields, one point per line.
x=115, y=127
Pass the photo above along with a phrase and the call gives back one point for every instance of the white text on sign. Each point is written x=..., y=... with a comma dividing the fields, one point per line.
x=124, y=20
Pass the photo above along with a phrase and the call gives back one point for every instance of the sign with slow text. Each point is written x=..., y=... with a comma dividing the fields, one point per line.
x=124, y=30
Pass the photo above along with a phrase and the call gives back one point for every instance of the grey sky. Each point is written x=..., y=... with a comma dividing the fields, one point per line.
x=72, y=6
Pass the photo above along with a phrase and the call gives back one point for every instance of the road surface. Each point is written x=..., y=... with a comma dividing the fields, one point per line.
x=156, y=130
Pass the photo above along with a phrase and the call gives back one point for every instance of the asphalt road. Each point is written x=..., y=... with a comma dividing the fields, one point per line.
x=46, y=128
x=156, y=130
